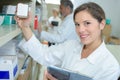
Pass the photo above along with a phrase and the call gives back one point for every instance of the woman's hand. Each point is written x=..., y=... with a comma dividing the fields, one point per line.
x=24, y=24
x=48, y=76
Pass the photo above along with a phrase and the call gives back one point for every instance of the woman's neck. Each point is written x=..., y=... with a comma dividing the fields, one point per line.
x=88, y=49
x=93, y=45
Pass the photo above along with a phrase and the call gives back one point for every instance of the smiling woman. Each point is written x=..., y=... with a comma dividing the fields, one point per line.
x=87, y=56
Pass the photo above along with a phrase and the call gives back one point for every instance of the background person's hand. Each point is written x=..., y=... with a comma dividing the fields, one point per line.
x=40, y=27
x=48, y=76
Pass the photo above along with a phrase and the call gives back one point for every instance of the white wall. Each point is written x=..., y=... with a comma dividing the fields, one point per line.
x=112, y=10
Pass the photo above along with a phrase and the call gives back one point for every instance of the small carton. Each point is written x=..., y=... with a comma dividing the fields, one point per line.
x=22, y=10
x=8, y=67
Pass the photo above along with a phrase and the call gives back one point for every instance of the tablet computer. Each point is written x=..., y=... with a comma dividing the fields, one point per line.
x=58, y=73
x=62, y=74
x=54, y=23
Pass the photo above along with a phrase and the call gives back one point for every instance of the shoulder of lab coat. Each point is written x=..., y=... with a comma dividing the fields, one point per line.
x=109, y=64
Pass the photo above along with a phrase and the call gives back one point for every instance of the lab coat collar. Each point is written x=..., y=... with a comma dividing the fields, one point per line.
x=92, y=58
x=68, y=16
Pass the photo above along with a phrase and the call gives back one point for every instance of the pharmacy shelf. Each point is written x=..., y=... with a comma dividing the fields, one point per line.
x=8, y=32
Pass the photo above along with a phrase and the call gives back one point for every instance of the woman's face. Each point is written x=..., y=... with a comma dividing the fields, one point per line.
x=88, y=28
x=63, y=10
x=55, y=13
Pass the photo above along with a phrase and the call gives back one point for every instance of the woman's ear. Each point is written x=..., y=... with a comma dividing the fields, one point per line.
x=102, y=24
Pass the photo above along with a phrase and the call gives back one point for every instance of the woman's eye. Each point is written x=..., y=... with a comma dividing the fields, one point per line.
x=87, y=23
x=77, y=25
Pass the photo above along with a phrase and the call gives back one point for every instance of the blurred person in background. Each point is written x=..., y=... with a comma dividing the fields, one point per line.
x=66, y=29
x=54, y=21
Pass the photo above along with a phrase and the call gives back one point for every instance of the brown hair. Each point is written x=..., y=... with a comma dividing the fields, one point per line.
x=67, y=3
x=94, y=9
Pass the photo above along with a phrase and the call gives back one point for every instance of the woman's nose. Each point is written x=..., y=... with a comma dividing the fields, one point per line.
x=81, y=28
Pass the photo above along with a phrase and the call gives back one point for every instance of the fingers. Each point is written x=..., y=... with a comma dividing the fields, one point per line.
x=16, y=19
x=45, y=77
x=48, y=76
x=22, y=22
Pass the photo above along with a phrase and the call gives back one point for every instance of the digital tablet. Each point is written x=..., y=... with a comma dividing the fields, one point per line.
x=58, y=73
x=54, y=23
x=63, y=74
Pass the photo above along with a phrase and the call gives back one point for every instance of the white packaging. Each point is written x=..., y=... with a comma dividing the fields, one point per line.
x=22, y=10
x=8, y=67
x=11, y=9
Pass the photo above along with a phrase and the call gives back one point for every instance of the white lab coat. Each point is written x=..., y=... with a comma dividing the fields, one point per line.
x=65, y=32
x=52, y=18
x=100, y=65
x=53, y=29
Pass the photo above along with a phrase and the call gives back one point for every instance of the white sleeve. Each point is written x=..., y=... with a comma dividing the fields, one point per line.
x=41, y=53
x=65, y=31
x=57, y=38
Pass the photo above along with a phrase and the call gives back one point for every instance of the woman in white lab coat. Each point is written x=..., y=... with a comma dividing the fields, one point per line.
x=89, y=57
x=54, y=21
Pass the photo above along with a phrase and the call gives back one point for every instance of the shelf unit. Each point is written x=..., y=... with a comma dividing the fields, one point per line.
x=8, y=32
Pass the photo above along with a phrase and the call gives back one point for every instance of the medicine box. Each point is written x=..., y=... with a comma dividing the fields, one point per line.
x=8, y=67
x=22, y=10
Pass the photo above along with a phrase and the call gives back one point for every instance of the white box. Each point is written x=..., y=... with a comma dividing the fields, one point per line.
x=8, y=67
x=22, y=10
x=11, y=9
